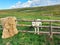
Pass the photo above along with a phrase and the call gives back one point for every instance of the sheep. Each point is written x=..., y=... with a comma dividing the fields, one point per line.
x=35, y=24
x=9, y=27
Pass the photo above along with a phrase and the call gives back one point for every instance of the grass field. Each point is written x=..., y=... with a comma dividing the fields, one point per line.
x=48, y=13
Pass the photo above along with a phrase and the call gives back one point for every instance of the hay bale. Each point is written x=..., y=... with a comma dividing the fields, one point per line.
x=9, y=27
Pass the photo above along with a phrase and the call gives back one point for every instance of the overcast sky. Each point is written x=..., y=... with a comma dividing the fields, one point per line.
x=8, y=4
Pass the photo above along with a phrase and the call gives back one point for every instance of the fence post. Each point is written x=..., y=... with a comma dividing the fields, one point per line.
x=51, y=34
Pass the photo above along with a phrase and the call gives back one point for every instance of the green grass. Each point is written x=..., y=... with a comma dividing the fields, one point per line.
x=48, y=12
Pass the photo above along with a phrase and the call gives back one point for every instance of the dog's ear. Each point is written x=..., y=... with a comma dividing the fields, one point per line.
x=11, y=20
x=15, y=19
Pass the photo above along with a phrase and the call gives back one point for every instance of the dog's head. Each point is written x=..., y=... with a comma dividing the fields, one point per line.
x=11, y=20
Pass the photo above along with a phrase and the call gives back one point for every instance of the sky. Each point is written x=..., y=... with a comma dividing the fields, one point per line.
x=10, y=4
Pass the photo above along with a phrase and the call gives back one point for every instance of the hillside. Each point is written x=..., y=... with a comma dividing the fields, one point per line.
x=47, y=12
x=33, y=13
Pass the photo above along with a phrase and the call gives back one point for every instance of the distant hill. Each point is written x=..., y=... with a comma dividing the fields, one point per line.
x=44, y=12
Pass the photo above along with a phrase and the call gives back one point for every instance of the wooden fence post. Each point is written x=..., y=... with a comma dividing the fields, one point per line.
x=51, y=34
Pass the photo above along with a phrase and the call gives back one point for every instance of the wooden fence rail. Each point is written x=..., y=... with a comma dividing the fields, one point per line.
x=39, y=21
x=41, y=32
x=40, y=26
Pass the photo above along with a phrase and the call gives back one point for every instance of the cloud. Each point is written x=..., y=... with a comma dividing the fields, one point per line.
x=32, y=3
x=26, y=4
x=53, y=2
x=29, y=3
x=22, y=5
x=36, y=2
x=17, y=5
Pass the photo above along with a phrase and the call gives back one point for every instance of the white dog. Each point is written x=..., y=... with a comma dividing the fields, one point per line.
x=36, y=24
